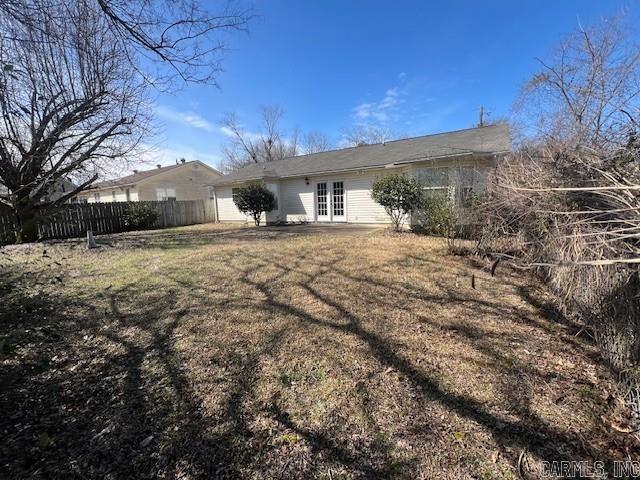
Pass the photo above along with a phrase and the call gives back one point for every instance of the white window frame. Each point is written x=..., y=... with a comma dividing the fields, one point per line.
x=165, y=194
x=457, y=189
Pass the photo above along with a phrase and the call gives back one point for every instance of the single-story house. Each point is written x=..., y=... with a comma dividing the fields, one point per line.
x=183, y=181
x=335, y=186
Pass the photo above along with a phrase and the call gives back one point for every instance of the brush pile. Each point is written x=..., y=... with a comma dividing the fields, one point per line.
x=573, y=215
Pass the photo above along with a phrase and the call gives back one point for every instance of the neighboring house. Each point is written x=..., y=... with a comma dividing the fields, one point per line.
x=184, y=181
x=60, y=188
x=335, y=186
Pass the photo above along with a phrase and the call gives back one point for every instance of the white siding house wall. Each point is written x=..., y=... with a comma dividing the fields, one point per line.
x=106, y=196
x=297, y=200
x=361, y=208
x=274, y=215
x=227, y=210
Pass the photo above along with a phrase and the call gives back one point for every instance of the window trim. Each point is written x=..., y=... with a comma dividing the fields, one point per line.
x=162, y=194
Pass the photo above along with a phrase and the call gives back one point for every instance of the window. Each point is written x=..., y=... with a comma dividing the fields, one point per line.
x=113, y=195
x=433, y=177
x=455, y=182
x=212, y=193
x=234, y=194
x=96, y=196
x=435, y=181
x=128, y=194
x=467, y=175
x=165, y=194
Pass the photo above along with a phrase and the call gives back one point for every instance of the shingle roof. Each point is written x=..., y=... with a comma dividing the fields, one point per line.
x=137, y=177
x=481, y=140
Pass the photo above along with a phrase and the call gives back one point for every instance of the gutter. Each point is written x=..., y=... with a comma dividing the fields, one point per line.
x=95, y=189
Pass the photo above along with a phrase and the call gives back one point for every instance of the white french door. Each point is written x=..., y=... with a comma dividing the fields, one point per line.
x=338, y=211
x=330, y=201
x=323, y=202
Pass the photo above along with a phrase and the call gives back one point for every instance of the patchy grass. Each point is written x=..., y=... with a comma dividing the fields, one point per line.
x=221, y=352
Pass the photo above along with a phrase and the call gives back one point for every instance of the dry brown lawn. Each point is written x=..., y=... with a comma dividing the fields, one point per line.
x=225, y=352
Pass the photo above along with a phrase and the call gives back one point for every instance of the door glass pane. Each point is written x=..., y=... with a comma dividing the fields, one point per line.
x=338, y=199
x=322, y=199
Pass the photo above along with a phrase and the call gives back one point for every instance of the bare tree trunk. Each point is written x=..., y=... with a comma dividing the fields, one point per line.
x=27, y=224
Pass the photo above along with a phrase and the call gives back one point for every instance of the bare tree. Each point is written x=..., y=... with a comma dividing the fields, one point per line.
x=74, y=81
x=314, y=142
x=365, y=135
x=587, y=91
x=70, y=103
x=269, y=144
x=161, y=39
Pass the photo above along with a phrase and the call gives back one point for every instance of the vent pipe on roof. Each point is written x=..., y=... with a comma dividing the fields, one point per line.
x=135, y=171
x=159, y=166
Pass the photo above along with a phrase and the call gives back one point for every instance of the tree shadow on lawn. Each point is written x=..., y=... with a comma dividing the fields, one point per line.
x=102, y=390
x=106, y=395
x=529, y=432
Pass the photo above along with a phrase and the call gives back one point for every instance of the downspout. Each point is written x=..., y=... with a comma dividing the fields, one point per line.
x=216, y=219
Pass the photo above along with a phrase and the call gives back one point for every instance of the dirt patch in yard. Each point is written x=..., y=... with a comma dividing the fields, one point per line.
x=221, y=352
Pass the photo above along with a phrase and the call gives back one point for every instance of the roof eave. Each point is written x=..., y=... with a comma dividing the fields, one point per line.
x=108, y=187
x=244, y=180
x=369, y=167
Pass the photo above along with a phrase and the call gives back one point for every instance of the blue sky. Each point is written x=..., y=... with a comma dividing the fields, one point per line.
x=414, y=67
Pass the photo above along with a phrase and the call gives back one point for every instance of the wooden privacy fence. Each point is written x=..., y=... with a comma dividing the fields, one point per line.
x=74, y=220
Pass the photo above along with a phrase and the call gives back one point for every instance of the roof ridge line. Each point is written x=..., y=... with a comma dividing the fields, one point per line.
x=384, y=143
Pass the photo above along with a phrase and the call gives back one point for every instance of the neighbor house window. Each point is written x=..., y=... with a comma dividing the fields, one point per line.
x=113, y=195
x=128, y=194
x=164, y=194
x=96, y=197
